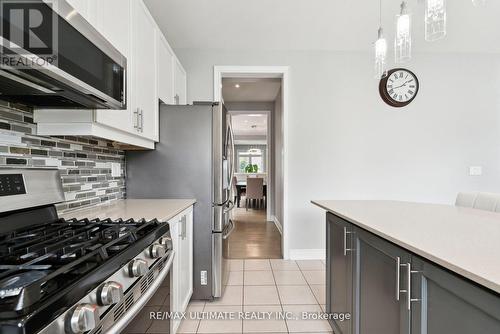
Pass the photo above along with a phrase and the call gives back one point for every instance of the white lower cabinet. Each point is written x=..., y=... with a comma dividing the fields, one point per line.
x=181, y=285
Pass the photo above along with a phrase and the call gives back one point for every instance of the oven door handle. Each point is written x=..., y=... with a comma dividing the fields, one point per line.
x=138, y=306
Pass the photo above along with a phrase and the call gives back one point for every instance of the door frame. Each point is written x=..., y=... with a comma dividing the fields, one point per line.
x=281, y=72
x=270, y=175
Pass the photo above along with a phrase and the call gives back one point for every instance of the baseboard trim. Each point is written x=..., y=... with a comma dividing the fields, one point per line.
x=278, y=224
x=307, y=254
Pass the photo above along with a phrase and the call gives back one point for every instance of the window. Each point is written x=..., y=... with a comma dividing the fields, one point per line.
x=253, y=156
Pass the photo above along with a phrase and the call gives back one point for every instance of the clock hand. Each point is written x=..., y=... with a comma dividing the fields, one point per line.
x=402, y=84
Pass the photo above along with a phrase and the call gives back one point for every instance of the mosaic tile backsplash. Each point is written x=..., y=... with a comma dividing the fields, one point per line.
x=85, y=163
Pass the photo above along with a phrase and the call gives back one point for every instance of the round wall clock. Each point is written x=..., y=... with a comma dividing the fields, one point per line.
x=399, y=88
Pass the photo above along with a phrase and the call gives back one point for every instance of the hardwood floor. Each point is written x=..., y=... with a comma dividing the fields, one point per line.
x=254, y=237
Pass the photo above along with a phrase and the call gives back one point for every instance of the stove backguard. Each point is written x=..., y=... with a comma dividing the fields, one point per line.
x=22, y=189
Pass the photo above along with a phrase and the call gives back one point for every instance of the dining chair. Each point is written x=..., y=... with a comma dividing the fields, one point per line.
x=466, y=199
x=480, y=201
x=486, y=201
x=255, y=190
x=234, y=189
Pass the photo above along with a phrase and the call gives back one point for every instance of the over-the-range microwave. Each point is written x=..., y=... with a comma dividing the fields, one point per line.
x=51, y=57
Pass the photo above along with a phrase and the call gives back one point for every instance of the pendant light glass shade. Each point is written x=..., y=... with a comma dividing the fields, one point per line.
x=380, y=55
x=435, y=19
x=479, y=3
x=402, y=42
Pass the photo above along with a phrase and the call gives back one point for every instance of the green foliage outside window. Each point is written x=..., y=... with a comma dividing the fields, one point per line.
x=251, y=168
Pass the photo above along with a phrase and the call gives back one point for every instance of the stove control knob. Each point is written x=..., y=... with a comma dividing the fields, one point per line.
x=110, y=293
x=137, y=268
x=166, y=241
x=85, y=318
x=156, y=251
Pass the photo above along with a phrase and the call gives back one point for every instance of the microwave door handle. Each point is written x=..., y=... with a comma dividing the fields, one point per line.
x=124, y=96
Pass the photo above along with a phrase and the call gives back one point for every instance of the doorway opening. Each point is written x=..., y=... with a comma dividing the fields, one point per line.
x=255, y=105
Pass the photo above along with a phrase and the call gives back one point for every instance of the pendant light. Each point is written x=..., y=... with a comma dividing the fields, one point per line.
x=402, y=42
x=478, y=3
x=380, y=50
x=435, y=19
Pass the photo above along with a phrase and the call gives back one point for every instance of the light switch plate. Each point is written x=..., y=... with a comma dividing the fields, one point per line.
x=475, y=170
x=116, y=170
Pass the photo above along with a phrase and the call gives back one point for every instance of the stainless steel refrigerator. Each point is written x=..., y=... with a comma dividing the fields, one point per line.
x=194, y=159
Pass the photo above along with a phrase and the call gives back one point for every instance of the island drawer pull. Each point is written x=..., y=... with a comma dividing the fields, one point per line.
x=398, y=277
x=345, y=242
x=409, y=272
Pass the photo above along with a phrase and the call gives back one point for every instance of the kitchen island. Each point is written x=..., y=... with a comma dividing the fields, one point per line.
x=402, y=267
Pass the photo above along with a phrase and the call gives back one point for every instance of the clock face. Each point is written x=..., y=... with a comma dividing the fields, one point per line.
x=399, y=88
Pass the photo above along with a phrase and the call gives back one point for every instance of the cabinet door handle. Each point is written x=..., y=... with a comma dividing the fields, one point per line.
x=398, y=277
x=345, y=242
x=136, y=119
x=409, y=272
x=408, y=303
x=183, y=227
x=142, y=120
x=411, y=300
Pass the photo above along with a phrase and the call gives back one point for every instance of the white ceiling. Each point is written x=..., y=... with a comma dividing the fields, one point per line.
x=250, y=90
x=249, y=124
x=341, y=25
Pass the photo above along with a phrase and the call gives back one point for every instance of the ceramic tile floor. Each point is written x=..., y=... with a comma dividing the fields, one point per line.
x=266, y=286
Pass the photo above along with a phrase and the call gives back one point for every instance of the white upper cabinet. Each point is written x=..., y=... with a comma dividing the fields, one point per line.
x=154, y=74
x=144, y=70
x=172, y=76
x=118, y=32
x=81, y=6
x=90, y=10
x=114, y=23
x=166, y=60
x=180, y=82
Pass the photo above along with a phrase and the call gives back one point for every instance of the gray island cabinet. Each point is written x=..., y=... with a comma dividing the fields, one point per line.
x=392, y=285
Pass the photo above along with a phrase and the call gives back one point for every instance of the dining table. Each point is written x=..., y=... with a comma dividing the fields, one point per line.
x=241, y=186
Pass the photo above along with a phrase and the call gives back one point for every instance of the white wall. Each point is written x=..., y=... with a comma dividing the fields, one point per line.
x=278, y=159
x=345, y=143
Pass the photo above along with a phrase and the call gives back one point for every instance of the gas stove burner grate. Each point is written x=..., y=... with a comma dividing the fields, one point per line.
x=13, y=285
x=45, y=268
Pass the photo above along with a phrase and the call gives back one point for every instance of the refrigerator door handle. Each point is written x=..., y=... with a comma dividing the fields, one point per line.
x=225, y=203
x=232, y=157
x=230, y=206
x=228, y=230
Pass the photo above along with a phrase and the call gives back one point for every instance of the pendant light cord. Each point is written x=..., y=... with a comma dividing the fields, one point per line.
x=380, y=13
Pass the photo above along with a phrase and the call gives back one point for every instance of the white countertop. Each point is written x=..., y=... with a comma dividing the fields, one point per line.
x=162, y=209
x=465, y=241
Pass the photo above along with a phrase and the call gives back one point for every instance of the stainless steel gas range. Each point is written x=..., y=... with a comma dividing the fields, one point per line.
x=72, y=276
